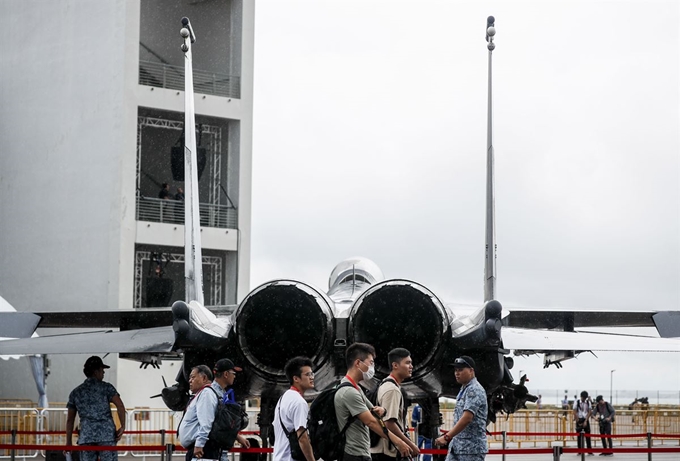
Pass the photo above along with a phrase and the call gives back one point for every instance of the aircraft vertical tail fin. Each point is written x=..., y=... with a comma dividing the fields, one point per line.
x=490, y=238
x=193, y=269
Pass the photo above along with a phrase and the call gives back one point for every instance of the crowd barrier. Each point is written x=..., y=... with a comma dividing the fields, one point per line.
x=166, y=450
x=542, y=430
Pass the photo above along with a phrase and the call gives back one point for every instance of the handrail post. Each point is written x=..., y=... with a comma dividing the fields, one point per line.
x=163, y=443
x=557, y=451
x=582, y=436
x=168, y=451
x=649, y=445
x=14, y=442
x=504, y=435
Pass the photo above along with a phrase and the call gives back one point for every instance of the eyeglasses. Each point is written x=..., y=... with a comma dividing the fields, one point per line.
x=309, y=374
x=460, y=361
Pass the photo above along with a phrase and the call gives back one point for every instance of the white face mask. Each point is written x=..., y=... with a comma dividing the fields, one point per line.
x=368, y=375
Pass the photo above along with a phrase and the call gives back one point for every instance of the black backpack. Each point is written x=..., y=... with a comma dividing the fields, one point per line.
x=328, y=442
x=227, y=424
x=372, y=396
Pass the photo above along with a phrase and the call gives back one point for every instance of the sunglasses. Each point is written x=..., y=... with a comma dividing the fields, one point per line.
x=462, y=363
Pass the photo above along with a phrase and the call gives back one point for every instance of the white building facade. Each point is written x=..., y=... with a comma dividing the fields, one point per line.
x=92, y=106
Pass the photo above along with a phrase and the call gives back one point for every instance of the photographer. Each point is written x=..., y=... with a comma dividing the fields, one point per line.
x=582, y=413
x=604, y=413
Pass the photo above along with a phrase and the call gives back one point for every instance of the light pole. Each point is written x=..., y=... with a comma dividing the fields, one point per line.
x=611, y=386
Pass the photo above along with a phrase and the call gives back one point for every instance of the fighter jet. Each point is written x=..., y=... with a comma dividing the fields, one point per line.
x=285, y=318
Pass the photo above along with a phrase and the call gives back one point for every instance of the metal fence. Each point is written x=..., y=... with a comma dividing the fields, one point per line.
x=144, y=426
x=172, y=212
x=162, y=75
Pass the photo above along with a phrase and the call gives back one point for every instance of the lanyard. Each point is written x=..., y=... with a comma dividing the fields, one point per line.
x=349, y=378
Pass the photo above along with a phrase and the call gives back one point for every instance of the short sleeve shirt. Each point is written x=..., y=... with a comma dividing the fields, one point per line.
x=350, y=401
x=92, y=402
x=292, y=410
x=472, y=439
x=390, y=398
x=582, y=408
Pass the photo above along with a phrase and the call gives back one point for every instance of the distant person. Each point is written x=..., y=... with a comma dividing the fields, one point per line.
x=423, y=442
x=290, y=414
x=604, y=413
x=565, y=405
x=350, y=401
x=199, y=416
x=91, y=401
x=467, y=439
x=178, y=208
x=392, y=400
x=164, y=193
x=582, y=413
x=539, y=402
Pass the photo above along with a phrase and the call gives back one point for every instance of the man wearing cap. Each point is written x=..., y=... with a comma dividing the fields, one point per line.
x=467, y=438
x=225, y=374
x=91, y=401
x=604, y=413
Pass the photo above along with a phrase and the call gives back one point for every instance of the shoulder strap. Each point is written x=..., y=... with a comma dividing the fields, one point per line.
x=216, y=394
x=380, y=420
x=285, y=431
x=351, y=419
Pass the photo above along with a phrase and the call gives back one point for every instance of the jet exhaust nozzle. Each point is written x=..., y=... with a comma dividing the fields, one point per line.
x=400, y=313
x=283, y=319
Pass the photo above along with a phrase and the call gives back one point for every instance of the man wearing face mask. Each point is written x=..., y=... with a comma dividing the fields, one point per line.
x=351, y=403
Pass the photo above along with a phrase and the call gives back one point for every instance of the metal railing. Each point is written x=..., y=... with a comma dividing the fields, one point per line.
x=162, y=75
x=172, y=212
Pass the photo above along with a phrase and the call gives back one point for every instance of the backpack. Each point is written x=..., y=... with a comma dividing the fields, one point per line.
x=610, y=409
x=227, y=424
x=328, y=442
x=372, y=396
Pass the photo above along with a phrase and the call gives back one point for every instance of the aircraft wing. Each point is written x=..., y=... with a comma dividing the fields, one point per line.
x=582, y=318
x=148, y=340
x=18, y=324
x=526, y=340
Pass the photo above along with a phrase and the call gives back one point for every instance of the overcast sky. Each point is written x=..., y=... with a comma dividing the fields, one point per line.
x=370, y=140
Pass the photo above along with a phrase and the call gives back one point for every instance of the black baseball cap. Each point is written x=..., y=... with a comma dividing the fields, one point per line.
x=226, y=365
x=94, y=363
x=464, y=361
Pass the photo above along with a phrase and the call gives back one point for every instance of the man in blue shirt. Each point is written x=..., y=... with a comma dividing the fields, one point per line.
x=467, y=438
x=224, y=373
x=91, y=401
x=199, y=416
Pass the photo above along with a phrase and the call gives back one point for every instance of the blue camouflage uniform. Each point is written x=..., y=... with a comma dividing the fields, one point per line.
x=92, y=402
x=470, y=444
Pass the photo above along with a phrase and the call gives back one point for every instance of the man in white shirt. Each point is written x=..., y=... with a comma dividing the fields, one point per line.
x=582, y=412
x=292, y=411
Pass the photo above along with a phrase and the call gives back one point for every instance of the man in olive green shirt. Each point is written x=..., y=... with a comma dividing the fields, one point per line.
x=350, y=401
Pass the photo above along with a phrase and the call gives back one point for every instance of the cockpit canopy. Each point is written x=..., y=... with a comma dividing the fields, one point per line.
x=358, y=269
